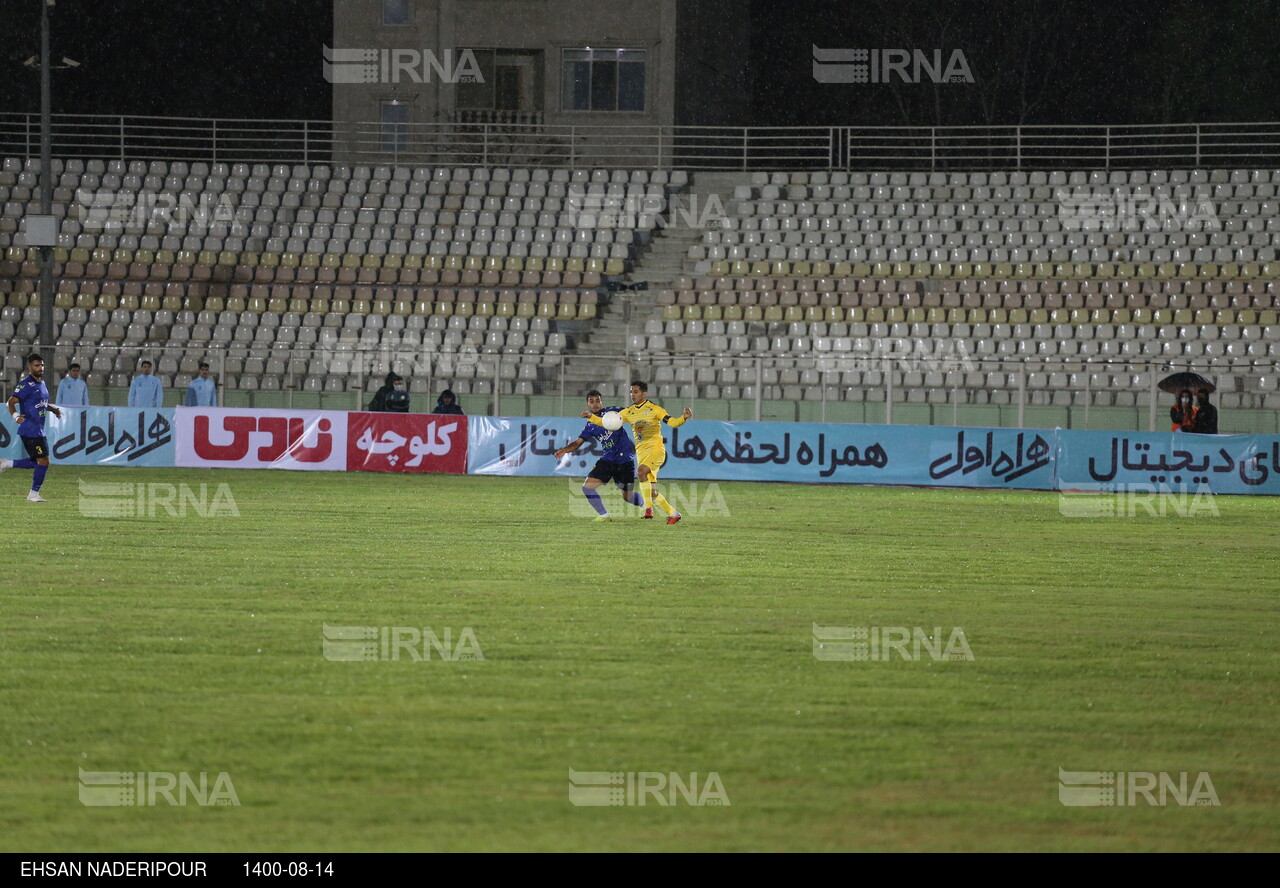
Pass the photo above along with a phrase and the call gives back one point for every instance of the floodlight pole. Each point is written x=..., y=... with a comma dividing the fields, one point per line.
x=46, y=337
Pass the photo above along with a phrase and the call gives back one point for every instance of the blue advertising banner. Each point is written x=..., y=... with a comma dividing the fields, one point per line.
x=526, y=446
x=811, y=453
x=830, y=453
x=1120, y=461
x=106, y=436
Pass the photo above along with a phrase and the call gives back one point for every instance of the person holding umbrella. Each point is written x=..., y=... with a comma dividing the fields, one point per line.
x=1206, y=414
x=1183, y=413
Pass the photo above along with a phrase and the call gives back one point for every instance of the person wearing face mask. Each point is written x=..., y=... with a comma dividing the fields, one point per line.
x=392, y=397
x=1183, y=413
x=1206, y=414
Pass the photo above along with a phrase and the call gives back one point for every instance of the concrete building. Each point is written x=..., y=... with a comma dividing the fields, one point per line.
x=502, y=81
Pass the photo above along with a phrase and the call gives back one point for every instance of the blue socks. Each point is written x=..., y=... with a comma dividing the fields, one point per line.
x=594, y=499
x=38, y=478
x=633, y=497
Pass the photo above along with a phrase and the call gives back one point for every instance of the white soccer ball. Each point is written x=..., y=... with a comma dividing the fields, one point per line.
x=612, y=420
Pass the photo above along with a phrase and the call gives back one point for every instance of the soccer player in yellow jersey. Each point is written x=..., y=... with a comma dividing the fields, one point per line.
x=647, y=420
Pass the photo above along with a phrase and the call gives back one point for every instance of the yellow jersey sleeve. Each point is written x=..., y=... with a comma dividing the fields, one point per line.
x=671, y=421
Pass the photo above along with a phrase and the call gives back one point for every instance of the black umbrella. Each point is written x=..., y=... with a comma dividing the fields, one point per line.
x=1187, y=380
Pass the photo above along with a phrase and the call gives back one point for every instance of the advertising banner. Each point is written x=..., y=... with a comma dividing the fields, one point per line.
x=101, y=436
x=406, y=442
x=227, y=437
x=1124, y=461
x=813, y=453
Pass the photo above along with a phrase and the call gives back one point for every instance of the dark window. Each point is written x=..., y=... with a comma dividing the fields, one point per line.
x=395, y=12
x=510, y=80
x=506, y=85
x=478, y=93
x=604, y=86
x=602, y=79
x=395, y=127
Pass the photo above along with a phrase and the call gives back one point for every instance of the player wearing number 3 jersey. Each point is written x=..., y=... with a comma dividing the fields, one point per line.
x=28, y=405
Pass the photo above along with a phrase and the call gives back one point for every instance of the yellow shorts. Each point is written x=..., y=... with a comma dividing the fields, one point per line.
x=653, y=457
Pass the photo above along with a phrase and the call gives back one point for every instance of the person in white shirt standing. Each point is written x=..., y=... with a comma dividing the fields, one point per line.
x=202, y=392
x=72, y=391
x=146, y=390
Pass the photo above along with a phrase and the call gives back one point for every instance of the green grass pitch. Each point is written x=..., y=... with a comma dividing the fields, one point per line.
x=194, y=644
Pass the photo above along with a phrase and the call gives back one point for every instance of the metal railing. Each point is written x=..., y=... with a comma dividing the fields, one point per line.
x=1023, y=392
x=479, y=142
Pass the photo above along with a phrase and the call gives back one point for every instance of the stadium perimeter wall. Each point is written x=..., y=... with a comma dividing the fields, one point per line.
x=1250, y=421
x=929, y=456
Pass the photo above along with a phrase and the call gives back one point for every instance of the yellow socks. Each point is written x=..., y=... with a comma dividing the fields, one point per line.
x=661, y=502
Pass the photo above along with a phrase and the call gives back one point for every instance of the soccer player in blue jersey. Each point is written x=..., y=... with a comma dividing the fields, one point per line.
x=617, y=461
x=647, y=420
x=27, y=405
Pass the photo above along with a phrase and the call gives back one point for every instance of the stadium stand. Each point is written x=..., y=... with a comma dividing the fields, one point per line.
x=1019, y=225
x=286, y=272
x=830, y=288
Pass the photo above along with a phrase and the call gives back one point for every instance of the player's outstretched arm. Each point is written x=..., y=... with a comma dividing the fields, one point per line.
x=676, y=421
x=571, y=447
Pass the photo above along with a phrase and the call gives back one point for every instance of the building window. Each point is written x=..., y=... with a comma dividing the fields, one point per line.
x=602, y=79
x=394, y=135
x=395, y=12
x=510, y=80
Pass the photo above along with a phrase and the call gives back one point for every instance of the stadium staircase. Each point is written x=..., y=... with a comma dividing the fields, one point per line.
x=594, y=361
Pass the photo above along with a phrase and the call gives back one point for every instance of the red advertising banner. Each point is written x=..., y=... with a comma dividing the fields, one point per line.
x=406, y=442
x=245, y=438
